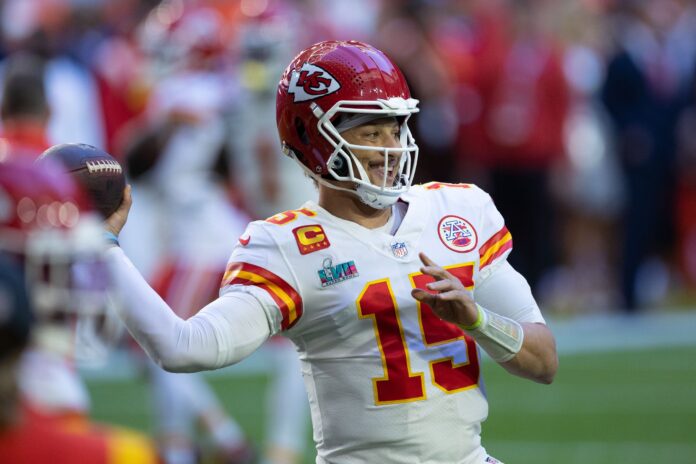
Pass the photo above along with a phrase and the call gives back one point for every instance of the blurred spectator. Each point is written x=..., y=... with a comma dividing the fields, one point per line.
x=180, y=159
x=119, y=66
x=267, y=180
x=45, y=28
x=417, y=37
x=518, y=102
x=686, y=200
x=589, y=184
x=647, y=87
x=177, y=161
x=24, y=110
x=686, y=177
x=179, y=258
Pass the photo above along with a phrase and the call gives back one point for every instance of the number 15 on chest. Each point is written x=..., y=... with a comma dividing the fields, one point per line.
x=400, y=383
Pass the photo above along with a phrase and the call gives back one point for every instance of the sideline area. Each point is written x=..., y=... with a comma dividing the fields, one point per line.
x=579, y=334
x=613, y=332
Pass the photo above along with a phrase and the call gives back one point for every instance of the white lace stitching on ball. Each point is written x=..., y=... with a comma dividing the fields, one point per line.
x=103, y=166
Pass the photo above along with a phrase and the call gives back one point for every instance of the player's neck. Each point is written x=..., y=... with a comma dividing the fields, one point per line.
x=348, y=206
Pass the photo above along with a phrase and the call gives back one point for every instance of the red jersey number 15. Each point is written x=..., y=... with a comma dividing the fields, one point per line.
x=399, y=383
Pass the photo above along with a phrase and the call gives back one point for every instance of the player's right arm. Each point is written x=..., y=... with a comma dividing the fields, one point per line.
x=224, y=332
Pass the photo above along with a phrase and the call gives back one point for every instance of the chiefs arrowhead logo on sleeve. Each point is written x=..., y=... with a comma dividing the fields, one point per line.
x=310, y=238
x=311, y=82
x=457, y=234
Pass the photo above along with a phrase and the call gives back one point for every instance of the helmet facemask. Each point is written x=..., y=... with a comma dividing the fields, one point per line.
x=344, y=166
x=70, y=292
x=48, y=227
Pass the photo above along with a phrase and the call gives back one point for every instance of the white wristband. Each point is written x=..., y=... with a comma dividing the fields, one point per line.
x=499, y=336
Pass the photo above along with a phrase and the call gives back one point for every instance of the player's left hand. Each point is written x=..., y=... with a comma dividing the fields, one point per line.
x=451, y=301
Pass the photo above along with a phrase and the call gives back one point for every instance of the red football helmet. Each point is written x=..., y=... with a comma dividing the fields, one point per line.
x=333, y=80
x=182, y=35
x=48, y=227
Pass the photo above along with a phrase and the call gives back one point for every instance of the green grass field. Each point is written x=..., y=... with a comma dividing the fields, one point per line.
x=636, y=407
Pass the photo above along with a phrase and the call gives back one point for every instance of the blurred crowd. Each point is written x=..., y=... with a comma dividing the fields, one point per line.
x=578, y=116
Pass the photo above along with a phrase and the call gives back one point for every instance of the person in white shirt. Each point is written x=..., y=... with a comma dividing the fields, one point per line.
x=386, y=289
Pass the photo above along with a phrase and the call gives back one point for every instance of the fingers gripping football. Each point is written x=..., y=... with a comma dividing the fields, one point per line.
x=117, y=220
x=446, y=296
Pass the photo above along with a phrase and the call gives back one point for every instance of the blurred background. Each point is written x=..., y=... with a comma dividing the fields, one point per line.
x=577, y=116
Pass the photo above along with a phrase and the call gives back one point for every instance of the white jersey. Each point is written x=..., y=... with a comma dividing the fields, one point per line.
x=51, y=383
x=387, y=380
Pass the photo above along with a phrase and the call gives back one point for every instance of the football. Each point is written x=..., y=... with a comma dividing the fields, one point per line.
x=97, y=172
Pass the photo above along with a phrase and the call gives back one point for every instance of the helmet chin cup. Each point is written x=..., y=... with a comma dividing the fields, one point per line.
x=383, y=199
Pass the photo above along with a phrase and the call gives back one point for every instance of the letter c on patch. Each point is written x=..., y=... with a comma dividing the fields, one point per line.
x=310, y=238
x=309, y=235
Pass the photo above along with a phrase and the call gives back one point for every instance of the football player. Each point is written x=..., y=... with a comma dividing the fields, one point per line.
x=50, y=235
x=386, y=289
x=183, y=255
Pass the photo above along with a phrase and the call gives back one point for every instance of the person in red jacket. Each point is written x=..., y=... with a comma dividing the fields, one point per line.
x=24, y=111
x=512, y=125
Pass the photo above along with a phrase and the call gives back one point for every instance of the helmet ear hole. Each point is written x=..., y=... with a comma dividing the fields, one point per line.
x=301, y=131
x=340, y=166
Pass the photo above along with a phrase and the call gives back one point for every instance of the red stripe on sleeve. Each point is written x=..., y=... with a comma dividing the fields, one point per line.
x=287, y=299
x=495, y=246
x=505, y=247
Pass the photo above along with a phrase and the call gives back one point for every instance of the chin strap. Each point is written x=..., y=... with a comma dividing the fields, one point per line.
x=499, y=336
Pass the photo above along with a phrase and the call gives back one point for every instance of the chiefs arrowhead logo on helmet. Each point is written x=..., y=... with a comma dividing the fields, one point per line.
x=311, y=82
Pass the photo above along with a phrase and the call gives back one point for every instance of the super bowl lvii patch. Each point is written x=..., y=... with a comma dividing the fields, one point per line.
x=330, y=274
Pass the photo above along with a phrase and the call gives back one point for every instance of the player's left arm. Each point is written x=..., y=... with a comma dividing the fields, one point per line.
x=537, y=359
x=504, y=318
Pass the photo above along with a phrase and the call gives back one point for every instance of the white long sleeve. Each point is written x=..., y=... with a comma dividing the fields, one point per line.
x=506, y=292
x=224, y=332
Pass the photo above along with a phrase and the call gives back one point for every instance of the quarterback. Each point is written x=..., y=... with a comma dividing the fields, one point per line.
x=387, y=290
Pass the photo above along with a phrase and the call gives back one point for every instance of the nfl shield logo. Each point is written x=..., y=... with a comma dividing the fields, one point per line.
x=399, y=249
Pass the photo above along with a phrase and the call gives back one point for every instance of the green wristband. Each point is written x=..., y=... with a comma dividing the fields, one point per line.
x=478, y=322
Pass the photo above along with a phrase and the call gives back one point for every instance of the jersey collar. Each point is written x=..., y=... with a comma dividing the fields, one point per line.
x=409, y=232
